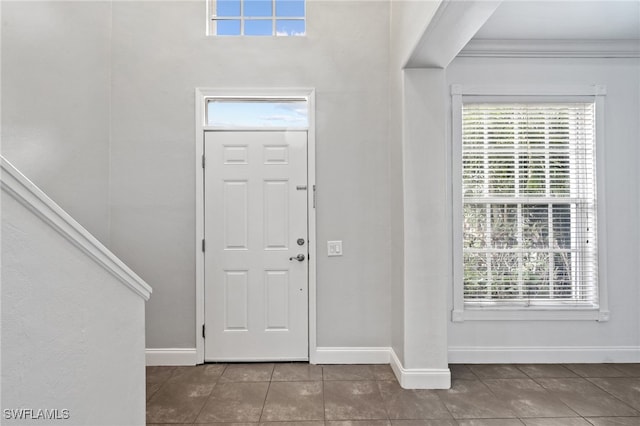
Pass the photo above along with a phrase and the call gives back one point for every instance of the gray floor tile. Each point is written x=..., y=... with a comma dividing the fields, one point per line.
x=353, y=400
x=568, y=421
x=585, y=398
x=296, y=373
x=624, y=388
x=472, y=399
x=227, y=424
x=436, y=422
x=629, y=370
x=460, y=371
x=178, y=402
x=315, y=423
x=527, y=398
x=383, y=372
x=293, y=401
x=411, y=404
x=359, y=423
x=615, y=421
x=155, y=378
x=247, y=373
x=595, y=370
x=201, y=374
x=347, y=372
x=497, y=371
x=490, y=422
x=234, y=402
x=555, y=371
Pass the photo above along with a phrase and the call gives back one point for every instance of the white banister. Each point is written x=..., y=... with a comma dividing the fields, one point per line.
x=29, y=195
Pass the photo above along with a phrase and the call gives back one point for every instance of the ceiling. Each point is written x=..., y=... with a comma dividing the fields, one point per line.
x=563, y=20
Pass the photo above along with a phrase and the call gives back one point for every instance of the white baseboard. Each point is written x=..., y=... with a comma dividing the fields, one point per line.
x=355, y=355
x=420, y=378
x=543, y=354
x=171, y=356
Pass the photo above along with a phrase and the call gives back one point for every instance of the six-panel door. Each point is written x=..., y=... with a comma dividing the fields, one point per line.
x=256, y=291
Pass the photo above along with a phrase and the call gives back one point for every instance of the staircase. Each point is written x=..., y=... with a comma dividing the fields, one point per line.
x=72, y=318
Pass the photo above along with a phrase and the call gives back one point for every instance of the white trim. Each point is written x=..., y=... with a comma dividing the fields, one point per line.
x=257, y=359
x=420, y=378
x=212, y=20
x=542, y=354
x=253, y=129
x=456, y=202
x=551, y=48
x=201, y=96
x=601, y=213
x=28, y=194
x=409, y=378
x=171, y=356
x=311, y=220
x=351, y=355
x=200, y=108
x=528, y=90
x=529, y=314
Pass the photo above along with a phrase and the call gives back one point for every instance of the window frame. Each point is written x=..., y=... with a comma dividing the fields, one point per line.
x=462, y=312
x=212, y=19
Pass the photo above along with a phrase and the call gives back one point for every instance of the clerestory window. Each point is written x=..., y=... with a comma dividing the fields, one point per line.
x=257, y=17
x=527, y=204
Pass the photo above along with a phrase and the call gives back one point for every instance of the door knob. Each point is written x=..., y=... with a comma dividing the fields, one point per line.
x=299, y=257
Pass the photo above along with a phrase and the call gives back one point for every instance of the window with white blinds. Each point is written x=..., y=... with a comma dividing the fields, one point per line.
x=529, y=204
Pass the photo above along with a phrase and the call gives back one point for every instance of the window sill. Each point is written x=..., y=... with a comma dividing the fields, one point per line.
x=529, y=314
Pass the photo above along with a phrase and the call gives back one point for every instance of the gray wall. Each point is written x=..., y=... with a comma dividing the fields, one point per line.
x=55, y=102
x=98, y=110
x=409, y=19
x=622, y=109
x=160, y=55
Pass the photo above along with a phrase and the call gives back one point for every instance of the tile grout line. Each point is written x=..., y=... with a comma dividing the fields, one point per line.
x=377, y=388
x=445, y=405
x=210, y=393
x=264, y=403
x=173, y=369
x=324, y=407
x=588, y=379
x=552, y=394
x=533, y=379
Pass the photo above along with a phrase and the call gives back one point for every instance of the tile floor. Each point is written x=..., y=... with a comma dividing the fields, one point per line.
x=298, y=394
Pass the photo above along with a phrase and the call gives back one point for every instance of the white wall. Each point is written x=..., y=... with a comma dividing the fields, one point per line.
x=72, y=334
x=619, y=338
x=55, y=102
x=160, y=55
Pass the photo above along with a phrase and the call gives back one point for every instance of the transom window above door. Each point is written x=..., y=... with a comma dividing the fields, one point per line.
x=233, y=113
x=257, y=17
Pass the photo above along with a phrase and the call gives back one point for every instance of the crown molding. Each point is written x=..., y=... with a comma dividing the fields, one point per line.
x=551, y=48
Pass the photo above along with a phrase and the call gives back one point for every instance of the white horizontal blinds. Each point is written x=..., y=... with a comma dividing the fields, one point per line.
x=529, y=201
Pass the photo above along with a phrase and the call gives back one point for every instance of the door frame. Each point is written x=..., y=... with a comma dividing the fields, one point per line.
x=201, y=97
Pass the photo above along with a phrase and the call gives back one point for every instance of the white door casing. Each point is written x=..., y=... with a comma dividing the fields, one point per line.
x=255, y=205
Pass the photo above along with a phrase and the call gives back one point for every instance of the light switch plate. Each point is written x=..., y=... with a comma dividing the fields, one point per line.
x=334, y=248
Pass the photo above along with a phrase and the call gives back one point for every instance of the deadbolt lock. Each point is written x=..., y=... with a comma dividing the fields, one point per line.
x=300, y=241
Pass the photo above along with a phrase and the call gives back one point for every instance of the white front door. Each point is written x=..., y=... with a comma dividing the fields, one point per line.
x=256, y=266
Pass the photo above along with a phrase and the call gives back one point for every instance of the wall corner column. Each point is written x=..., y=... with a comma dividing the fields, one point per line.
x=426, y=239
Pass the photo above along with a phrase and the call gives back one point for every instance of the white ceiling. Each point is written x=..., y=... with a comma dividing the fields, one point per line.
x=563, y=20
